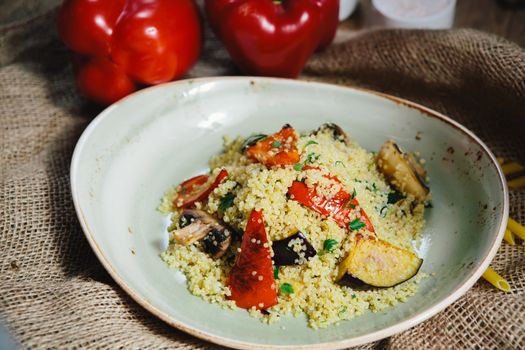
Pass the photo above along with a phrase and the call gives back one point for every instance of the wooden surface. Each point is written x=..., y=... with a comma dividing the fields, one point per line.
x=486, y=15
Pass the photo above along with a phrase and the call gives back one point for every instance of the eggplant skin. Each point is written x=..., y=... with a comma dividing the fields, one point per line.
x=376, y=263
x=284, y=254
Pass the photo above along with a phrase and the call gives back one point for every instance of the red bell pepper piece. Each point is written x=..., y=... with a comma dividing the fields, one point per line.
x=276, y=150
x=251, y=279
x=192, y=190
x=339, y=207
x=267, y=37
x=122, y=44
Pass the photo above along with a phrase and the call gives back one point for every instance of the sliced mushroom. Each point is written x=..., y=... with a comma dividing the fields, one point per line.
x=402, y=171
x=337, y=132
x=196, y=225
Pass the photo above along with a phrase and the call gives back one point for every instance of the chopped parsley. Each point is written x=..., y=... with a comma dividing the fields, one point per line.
x=298, y=166
x=276, y=144
x=311, y=157
x=373, y=188
x=356, y=225
x=276, y=272
x=329, y=245
x=286, y=288
x=354, y=296
x=339, y=162
x=226, y=201
x=311, y=142
x=394, y=197
x=350, y=204
x=354, y=193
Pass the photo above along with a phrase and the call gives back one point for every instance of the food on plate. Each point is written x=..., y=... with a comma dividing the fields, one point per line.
x=274, y=38
x=299, y=223
x=120, y=45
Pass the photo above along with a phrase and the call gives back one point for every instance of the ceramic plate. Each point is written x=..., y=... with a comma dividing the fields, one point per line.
x=152, y=140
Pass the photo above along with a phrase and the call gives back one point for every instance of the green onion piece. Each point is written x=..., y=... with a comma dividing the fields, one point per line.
x=286, y=288
x=226, y=202
x=356, y=225
x=276, y=272
x=311, y=142
x=298, y=166
x=276, y=144
x=329, y=245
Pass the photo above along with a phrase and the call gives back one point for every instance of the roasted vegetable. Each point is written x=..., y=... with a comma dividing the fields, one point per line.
x=251, y=280
x=293, y=250
x=194, y=189
x=402, y=171
x=337, y=132
x=341, y=207
x=276, y=150
x=373, y=262
x=196, y=225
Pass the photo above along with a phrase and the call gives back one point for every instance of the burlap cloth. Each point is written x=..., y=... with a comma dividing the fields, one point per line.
x=55, y=294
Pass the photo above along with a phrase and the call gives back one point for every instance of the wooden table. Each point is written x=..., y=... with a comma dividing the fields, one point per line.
x=486, y=15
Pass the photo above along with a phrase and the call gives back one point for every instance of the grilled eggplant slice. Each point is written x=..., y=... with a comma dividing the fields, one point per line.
x=293, y=250
x=402, y=171
x=337, y=132
x=375, y=263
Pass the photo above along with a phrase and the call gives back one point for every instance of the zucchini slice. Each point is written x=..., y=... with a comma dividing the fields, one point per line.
x=374, y=262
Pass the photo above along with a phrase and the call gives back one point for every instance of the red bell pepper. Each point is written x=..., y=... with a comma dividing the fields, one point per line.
x=251, y=279
x=277, y=149
x=193, y=190
x=123, y=44
x=275, y=38
x=341, y=207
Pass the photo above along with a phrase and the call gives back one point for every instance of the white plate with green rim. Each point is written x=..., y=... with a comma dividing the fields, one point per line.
x=146, y=143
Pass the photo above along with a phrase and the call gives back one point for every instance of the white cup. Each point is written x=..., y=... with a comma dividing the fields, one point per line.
x=432, y=14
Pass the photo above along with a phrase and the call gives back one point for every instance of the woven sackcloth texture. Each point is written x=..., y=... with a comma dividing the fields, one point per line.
x=55, y=294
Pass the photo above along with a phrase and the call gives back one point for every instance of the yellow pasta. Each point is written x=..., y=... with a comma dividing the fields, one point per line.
x=516, y=228
x=517, y=183
x=496, y=280
x=509, y=237
x=511, y=168
x=500, y=160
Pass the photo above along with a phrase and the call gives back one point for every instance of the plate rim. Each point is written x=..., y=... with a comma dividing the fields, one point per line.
x=412, y=321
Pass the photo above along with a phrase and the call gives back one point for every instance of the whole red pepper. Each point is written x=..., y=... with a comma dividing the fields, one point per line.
x=275, y=38
x=121, y=45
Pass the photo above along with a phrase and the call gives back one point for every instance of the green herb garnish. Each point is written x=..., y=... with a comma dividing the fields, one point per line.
x=329, y=245
x=394, y=197
x=311, y=142
x=298, y=166
x=286, y=288
x=276, y=272
x=356, y=225
x=383, y=208
x=354, y=296
x=429, y=205
x=354, y=193
x=276, y=144
x=373, y=188
x=311, y=157
x=350, y=204
x=226, y=201
x=339, y=162
x=252, y=140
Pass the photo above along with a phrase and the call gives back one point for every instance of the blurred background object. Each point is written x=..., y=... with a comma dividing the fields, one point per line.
x=5, y=341
x=432, y=14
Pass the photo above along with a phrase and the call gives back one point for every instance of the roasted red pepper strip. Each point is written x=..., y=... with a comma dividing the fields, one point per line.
x=251, y=280
x=191, y=191
x=339, y=207
x=276, y=150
